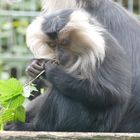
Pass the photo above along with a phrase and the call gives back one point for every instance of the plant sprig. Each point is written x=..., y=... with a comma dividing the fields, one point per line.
x=11, y=101
x=31, y=81
x=12, y=98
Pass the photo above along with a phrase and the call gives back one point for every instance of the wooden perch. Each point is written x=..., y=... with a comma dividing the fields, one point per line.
x=67, y=136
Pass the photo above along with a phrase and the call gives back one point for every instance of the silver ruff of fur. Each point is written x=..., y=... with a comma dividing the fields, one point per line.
x=36, y=40
x=88, y=55
x=93, y=51
x=52, y=5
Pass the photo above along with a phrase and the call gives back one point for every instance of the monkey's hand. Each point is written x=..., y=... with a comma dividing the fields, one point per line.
x=35, y=67
x=19, y=126
x=51, y=67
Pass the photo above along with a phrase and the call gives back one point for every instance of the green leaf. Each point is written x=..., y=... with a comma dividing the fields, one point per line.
x=20, y=114
x=1, y=127
x=9, y=89
x=7, y=116
x=16, y=101
x=15, y=85
x=13, y=115
x=11, y=86
x=11, y=100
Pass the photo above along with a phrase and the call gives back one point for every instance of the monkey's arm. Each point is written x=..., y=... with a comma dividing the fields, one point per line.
x=34, y=69
x=93, y=95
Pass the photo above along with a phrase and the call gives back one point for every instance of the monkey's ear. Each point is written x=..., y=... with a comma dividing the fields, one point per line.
x=36, y=40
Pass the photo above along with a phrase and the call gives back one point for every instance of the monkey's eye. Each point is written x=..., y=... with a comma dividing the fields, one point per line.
x=65, y=42
x=52, y=44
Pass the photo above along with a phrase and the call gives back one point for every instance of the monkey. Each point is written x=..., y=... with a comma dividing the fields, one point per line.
x=116, y=19
x=123, y=26
x=90, y=86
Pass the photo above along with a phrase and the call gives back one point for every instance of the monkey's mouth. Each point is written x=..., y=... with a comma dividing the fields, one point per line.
x=55, y=61
x=59, y=62
x=65, y=65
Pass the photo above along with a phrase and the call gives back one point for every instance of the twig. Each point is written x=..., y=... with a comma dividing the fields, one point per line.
x=31, y=81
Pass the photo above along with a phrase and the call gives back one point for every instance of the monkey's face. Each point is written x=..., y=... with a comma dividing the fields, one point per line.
x=71, y=37
x=61, y=48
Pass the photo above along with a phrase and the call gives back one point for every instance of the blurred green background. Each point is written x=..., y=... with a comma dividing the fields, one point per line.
x=15, y=16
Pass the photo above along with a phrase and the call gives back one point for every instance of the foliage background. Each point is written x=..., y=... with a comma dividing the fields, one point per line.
x=15, y=16
x=14, y=19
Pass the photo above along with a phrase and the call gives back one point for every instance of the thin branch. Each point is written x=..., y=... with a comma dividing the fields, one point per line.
x=31, y=81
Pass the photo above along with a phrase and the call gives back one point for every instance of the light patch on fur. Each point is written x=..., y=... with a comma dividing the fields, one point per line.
x=36, y=40
x=93, y=50
x=53, y=5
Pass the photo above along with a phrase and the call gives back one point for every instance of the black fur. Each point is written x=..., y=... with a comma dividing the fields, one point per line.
x=83, y=105
x=72, y=105
x=122, y=25
x=55, y=22
x=126, y=29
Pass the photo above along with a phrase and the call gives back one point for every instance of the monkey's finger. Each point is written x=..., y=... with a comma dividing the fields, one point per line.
x=38, y=67
x=40, y=62
x=33, y=75
x=32, y=71
x=37, y=62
